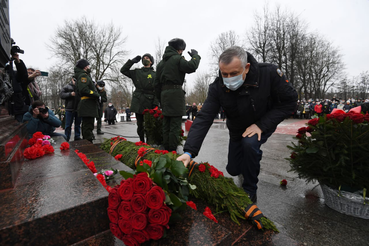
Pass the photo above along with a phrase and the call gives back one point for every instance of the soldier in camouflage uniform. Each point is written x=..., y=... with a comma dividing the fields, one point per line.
x=144, y=95
x=88, y=106
x=171, y=72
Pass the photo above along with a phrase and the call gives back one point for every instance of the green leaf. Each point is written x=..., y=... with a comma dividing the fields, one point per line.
x=312, y=150
x=178, y=168
x=127, y=174
x=175, y=217
x=158, y=178
x=162, y=162
x=176, y=201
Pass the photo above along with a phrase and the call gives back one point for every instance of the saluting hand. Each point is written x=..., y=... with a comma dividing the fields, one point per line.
x=251, y=131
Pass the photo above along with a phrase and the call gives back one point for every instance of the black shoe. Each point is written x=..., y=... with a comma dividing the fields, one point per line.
x=76, y=139
x=93, y=138
x=253, y=198
x=100, y=133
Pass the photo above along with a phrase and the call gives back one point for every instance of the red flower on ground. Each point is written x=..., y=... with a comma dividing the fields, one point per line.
x=37, y=135
x=208, y=214
x=191, y=204
x=64, y=146
x=148, y=162
x=117, y=157
x=48, y=149
x=283, y=182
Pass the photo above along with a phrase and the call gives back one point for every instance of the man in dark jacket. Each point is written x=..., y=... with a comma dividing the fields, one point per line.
x=100, y=87
x=88, y=106
x=110, y=114
x=171, y=72
x=255, y=98
x=41, y=119
x=68, y=93
x=144, y=95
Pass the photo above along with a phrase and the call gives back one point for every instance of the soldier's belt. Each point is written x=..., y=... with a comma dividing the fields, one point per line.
x=168, y=87
x=146, y=92
x=83, y=98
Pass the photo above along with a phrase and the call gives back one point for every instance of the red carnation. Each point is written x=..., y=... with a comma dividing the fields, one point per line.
x=139, y=221
x=299, y=136
x=293, y=155
x=141, y=151
x=32, y=141
x=37, y=135
x=138, y=203
x=313, y=122
x=155, y=231
x=101, y=178
x=155, y=197
x=145, y=111
x=208, y=214
x=356, y=118
x=117, y=157
x=64, y=146
x=125, y=210
x=160, y=216
x=202, y=168
x=283, y=182
x=191, y=204
x=48, y=149
x=151, y=111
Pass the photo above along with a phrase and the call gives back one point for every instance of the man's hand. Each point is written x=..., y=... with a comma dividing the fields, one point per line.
x=35, y=112
x=35, y=74
x=185, y=159
x=136, y=59
x=193, y=52
x=251, y=131
x=72, y=93
x=15, y=57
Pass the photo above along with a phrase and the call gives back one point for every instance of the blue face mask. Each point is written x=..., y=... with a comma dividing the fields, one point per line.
x=233, y=83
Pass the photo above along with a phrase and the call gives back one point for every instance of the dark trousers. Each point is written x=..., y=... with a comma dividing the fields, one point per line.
x=87, y=128
x=140, y=126
x=171, y=129
x=244, y=158
x=71, y=116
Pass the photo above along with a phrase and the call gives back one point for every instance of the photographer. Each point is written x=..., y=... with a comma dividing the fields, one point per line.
x=20, y=99
x=41, y=119
x=34, y=90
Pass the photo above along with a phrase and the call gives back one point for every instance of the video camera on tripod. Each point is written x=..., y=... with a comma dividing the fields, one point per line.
x=15, y=49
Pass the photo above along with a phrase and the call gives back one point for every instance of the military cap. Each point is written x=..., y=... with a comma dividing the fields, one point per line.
x=177, y=43
x=82, y=63
x=150, y=57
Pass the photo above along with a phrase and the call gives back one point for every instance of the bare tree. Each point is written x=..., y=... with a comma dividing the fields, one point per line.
x=200, y=91
x=224, y=41
x=102, y=46
x=159, y=50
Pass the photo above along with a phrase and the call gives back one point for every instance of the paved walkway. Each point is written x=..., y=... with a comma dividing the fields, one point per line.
x=298, y=210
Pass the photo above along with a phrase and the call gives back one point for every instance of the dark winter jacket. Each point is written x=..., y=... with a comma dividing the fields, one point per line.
x=20, y=99
x=265, y=99
x=71, y=102
x=46, y=126
x=110, y=113
x=88, y=106
x=104, y=98
x=144, y=96
x=170, y=76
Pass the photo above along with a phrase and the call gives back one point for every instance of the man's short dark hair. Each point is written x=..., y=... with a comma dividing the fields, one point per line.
x=37, y=103
x=235, y=51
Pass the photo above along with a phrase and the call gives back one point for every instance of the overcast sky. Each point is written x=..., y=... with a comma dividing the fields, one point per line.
x=198, y=22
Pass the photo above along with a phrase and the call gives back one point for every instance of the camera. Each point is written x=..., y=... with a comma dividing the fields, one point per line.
x=15, y=49
x=43, y=110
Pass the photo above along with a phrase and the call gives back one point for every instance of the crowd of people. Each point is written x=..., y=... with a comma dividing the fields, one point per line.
x=254, y=97
x=307, y=108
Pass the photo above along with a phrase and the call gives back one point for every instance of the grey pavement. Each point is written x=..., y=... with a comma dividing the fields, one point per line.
x=298, y=209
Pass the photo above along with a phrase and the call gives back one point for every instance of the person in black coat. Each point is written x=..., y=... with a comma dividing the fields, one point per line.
x=110, y=114
x=68, y=93
x=255, y=97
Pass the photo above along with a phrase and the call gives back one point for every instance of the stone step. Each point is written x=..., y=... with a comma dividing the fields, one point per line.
x=56, y=201
x=13, y=141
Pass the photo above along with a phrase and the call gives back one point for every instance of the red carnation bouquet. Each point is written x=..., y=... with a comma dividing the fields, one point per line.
x=39, y=146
